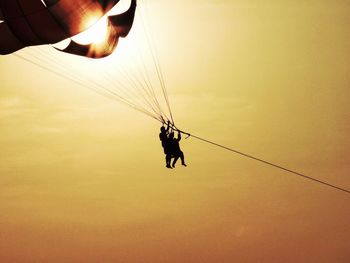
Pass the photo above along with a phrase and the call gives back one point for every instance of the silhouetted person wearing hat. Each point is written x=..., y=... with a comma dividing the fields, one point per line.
x=163, y=137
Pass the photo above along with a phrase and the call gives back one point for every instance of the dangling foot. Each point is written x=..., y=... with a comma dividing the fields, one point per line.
x=184, y=164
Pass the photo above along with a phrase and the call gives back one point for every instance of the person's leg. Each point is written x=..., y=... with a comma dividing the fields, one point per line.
x=167, y=160
x=176, y=157
x=182, y=157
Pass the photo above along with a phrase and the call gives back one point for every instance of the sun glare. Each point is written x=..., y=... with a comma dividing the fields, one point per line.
x=95, y=34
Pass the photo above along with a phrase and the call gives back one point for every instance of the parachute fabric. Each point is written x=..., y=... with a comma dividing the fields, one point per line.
x=118, y=26
x=36, y=22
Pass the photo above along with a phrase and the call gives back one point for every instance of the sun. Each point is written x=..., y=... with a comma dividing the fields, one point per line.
x=96, y=33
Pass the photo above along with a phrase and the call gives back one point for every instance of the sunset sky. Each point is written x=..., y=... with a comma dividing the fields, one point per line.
x=83, y=177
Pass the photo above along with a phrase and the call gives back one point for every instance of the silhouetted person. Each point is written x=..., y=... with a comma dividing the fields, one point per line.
x=163, y=137
x=175, y=150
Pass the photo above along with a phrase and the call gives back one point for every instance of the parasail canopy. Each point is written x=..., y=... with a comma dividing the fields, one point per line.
x=118, y=26
x=38, y=22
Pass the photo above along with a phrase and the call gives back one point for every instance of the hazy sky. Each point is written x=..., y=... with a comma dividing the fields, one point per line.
x=83, y=178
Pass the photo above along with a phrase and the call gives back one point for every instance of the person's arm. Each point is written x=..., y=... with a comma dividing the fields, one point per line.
x=179, y=136
x=167, y=129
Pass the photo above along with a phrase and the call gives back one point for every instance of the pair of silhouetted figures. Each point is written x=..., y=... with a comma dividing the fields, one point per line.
x=171, y=147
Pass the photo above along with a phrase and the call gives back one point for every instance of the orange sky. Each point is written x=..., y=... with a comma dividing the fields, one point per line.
x=83, y=177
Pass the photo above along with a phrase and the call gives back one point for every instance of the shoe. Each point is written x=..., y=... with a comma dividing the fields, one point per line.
x=168, y=166
x=184, y=164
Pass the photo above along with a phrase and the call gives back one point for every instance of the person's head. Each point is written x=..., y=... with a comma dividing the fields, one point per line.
x=171, y=135
x=162, y=129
